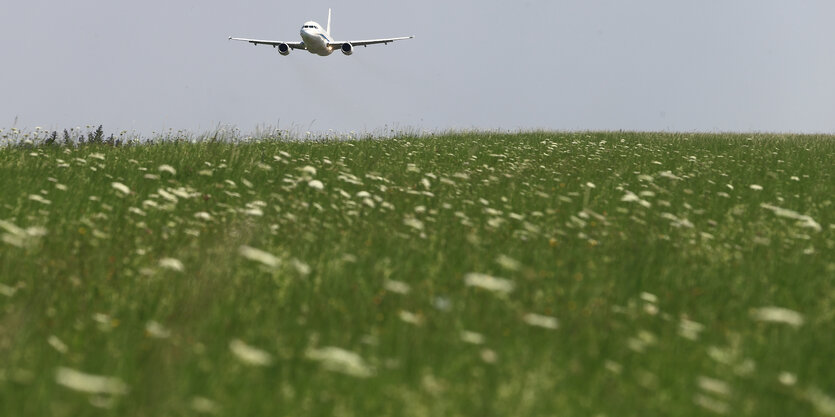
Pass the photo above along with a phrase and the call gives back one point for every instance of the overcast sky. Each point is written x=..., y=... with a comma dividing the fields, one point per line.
x=677, y=65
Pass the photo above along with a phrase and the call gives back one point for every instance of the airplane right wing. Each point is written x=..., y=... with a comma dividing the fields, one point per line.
x=293, y=45
x=370, y=41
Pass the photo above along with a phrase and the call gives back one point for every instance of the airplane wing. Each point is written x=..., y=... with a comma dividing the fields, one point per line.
x=369, y=41
x=293, y=45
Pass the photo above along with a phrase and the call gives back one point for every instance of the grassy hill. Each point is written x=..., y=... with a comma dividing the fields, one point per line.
x=611, y=274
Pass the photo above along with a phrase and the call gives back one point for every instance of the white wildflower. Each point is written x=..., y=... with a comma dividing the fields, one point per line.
x=442, y=304
x=410, y=317
x=787, y=378
x=508, y=263
x=156, y=330
x=778, y=315
x=202, y=215
x=173, y=264
x=316, y=184
x=472, y=337
x=641, y=341
x=166, y=195
x=7, y=290
x=487, y=282
x=258, y=255
x=103, y=319
x=122, y=188
x=99, y=156
x=248, y=354
x=88, y=383
x=495, y=222
x=821, y=401
x=631, y=197
x=676, y=221
x=12, y=228
x=340, y=360
x=204, y=405
x=547, y=322
x=649, y=297
x=57, y=344
x=19, y=237
x=714, y=386
x=489, y=356
x=413, y=223
x=308, y=170
x=39, y=198
x=167, y=168
x=690, y=329
x=253, y=211
x=398, y=287
x=613, y=367
x=711, y=404
x=302, y=268
x=184, y=192
x=669, y=174
x=756, y=187
x=137, y=211
x=803, y=220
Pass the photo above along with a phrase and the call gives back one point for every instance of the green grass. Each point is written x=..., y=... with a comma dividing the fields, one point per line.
x=655, y=256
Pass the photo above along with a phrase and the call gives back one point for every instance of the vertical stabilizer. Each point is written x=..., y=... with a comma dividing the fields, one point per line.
x=329, y=22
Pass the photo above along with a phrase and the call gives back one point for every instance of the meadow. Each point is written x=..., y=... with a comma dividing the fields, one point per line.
x=465, y=274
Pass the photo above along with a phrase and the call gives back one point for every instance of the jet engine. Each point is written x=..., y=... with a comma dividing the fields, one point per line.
x=284, y=49
x=347, y=48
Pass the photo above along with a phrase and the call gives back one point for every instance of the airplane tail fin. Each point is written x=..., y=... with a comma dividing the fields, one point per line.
x=329, y=22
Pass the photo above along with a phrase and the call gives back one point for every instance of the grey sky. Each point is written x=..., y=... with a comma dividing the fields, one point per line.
x=705, y=65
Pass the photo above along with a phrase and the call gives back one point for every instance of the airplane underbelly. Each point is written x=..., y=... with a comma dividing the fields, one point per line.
x=316, y=45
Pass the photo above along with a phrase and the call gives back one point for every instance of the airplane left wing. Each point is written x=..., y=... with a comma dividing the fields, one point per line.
x=293, y=45
x=369, y=41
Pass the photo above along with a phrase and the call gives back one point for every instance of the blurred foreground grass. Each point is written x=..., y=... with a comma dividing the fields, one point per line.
x=609, y=274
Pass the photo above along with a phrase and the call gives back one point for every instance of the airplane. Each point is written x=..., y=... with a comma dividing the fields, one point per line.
x=318, y=41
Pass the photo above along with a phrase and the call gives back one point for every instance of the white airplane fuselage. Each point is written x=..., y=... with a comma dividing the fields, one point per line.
x=316, y=39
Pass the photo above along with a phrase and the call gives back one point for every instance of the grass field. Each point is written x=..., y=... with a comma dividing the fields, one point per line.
x=577, y=274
